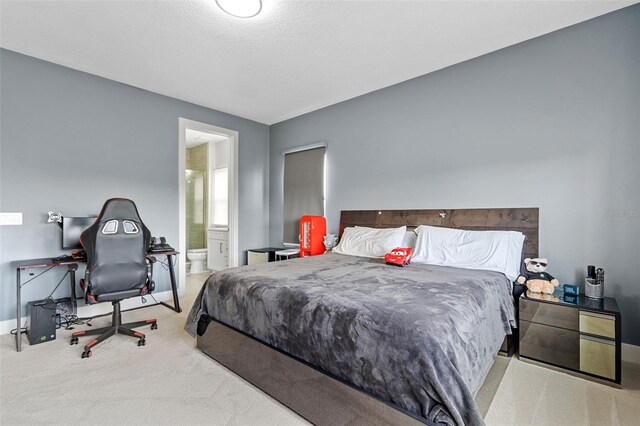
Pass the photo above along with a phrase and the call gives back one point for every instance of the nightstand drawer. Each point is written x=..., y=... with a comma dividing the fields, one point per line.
x=256, y=258
x=549, y=314
x=598, y=324
x=598, y=356
x=553, y=345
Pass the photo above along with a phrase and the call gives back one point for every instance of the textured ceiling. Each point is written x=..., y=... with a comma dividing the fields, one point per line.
x=295, y=57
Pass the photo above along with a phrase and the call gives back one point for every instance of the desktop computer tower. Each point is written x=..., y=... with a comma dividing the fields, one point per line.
x=41, y=321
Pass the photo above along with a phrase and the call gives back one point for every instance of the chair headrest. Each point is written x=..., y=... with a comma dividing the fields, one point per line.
x=119, y=208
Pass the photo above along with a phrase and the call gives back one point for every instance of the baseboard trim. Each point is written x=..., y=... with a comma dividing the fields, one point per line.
x=88, y=311
x=631, y=353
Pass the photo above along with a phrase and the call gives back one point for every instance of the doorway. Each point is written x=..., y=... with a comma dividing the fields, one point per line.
x=208, y=210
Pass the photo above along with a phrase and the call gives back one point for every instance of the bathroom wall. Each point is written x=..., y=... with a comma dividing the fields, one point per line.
x=197, y=196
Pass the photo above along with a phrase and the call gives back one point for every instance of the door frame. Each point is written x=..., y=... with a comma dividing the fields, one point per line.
x=183, y=125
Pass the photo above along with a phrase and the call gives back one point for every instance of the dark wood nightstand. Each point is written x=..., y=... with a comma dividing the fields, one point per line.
x=572, y=332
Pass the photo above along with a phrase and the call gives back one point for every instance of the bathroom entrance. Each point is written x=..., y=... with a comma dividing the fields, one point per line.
x=207, y=192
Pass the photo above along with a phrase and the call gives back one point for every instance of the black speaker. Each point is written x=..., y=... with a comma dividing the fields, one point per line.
x=41, y=321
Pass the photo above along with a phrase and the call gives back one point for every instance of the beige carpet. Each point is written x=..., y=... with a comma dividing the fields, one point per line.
x=168, y=381
x=533, y=395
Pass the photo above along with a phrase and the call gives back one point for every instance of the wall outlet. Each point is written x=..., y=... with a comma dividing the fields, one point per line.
x=10, y=218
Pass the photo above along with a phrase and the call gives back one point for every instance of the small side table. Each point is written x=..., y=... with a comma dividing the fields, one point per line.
x=287, y=254
x=574, y=333
x=262, y=255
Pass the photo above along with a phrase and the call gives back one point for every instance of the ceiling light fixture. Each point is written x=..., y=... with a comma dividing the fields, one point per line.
x=241, y=8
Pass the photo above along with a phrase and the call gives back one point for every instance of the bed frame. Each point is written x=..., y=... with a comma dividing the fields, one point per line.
x=316, y=395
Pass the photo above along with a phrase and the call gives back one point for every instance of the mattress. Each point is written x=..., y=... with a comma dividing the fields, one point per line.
x=421, y=337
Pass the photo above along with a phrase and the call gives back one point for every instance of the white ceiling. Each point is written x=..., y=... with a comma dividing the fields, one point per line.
x=294, y=57
x=196, y=137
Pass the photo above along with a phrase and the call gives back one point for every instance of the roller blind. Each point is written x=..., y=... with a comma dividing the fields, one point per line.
x=303, y=189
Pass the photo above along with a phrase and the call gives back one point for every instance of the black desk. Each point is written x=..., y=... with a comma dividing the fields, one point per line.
x=72, y=264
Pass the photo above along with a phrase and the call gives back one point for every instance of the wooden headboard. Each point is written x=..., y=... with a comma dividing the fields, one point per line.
x=524, y=220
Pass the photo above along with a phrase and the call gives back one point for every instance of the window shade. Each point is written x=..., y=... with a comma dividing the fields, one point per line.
x=303, y=189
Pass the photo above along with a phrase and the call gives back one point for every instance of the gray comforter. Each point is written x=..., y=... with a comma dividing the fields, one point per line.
x=423, y=337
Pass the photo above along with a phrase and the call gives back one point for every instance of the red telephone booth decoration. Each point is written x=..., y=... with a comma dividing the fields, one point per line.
x=312, y=232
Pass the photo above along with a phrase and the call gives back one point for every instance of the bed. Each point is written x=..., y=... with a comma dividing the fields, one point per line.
x=350, y=340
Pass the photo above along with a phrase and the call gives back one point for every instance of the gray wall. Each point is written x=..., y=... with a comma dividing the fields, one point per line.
x=70, y=140
x=552, y=123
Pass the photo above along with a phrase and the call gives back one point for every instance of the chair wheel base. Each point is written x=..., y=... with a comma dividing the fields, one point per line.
x=116, y=328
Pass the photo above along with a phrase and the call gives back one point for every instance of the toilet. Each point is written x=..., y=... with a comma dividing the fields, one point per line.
x=198, y=259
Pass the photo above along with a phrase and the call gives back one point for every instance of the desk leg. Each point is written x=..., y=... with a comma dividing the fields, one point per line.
x=18, y=312
x=72, y=282
x=174, y=286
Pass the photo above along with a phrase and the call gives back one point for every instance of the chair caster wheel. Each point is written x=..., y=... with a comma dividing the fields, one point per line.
x=87, y=354
x=154, y=326
x=74, y=341
x=142, y=342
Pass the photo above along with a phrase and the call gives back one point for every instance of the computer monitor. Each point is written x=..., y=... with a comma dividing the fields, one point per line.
x=72, y=228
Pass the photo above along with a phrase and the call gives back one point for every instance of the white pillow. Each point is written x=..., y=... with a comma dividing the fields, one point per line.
x=409, y=239
x=499, y=251
x=369, y=242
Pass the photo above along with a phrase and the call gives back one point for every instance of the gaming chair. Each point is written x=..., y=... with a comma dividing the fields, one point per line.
x=117, y=268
